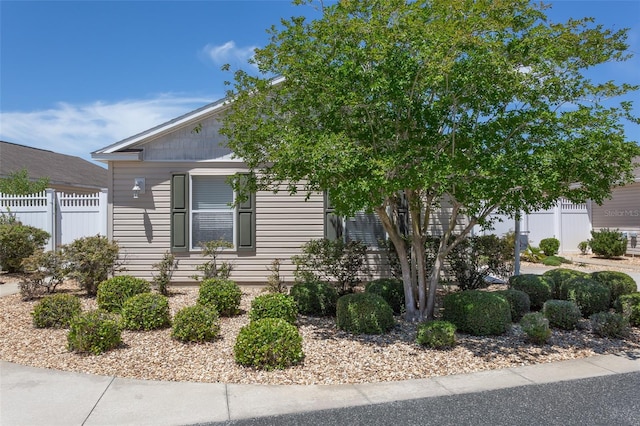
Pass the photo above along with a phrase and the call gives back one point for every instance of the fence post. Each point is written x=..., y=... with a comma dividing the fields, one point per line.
x=51, y=214
x=103, y=211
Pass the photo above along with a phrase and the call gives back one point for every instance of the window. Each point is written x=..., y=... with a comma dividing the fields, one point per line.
x=212, y=217
x=364, y=227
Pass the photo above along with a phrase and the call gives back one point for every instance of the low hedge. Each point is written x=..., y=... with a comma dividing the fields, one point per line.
x=391, y=290
x=113, y=292
x=436, y=334
x=477, y=312
x=559, y=276
x=196, y=323
x=536, y=327
x=222, y=294
x=267, y=344
x=609, y=324
x=563, y=314
x=315, y=298
x=590, y=296
x=629, y=306
x=94, y=332
x=518, y=301
x=364, y=313
x=538, y=287
x=56, y=311
x=146, y=311
x=618, y=283
x=274, y=305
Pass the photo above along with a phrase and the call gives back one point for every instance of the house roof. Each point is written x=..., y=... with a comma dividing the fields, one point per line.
x=61, y=169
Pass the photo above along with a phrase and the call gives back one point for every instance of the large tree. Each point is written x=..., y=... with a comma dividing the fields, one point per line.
x=475, y=107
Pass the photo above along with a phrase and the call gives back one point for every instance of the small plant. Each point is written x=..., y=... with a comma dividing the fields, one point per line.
x=18, y=242
x=91, y=260
x=146, y=311
x=197, y=323
x=563, y=314
x=113, y=292
x=559, y=276
x=609, y=324
x=536, y=327
x=211, y=268
x=315, y=298
x=391, y=290
x=47, y=269
x=518, y=301
x=477, y=312
x=166, y=267
x=550, y=246
x=590, y=296
x=364, y=313
x=436, y=334
x=538, y=287
x=532, y=254
x=267, y=344
x=55, y=311
x=618, y=283
x=607, y=243
x=222, y=294
x=275, y=283
x=629, y=306
x=274, y=305
x=554, y=261
x=583, y=246
x=93, y=332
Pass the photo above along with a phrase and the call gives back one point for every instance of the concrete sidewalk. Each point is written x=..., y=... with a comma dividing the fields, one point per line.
x=35, y=396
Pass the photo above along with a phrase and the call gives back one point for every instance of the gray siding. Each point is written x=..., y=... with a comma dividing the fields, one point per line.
x=621, y=212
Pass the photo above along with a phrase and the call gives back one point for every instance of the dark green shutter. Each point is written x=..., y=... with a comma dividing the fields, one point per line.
x=247, y=224
x=179, y=212
x=403, y=215
x=332, y=222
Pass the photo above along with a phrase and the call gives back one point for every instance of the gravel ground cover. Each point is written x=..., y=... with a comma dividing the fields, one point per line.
x=332, y=356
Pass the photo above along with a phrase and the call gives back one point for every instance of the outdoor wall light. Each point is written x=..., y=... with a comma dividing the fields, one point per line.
x=138, y=187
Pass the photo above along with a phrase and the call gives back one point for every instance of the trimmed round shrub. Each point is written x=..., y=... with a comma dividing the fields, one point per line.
x=619, y=283
x=609, y=324
x=391, y=290
x=113, y=292
x=629, y=306
x=146, y=311
x=364, y=313
x=538, y=287
x=55, y=311
x=436, y=334
x=222, y=294
x=559, y=276
x=589, y=295
x=267, y=344
x=274, y=305
x=94, y=332
x=608, y=243
x=536, y=327
x=550, y=246
x=563, y=314
x=518, y=301
x=477, y=312
x=315, y=298
x=197, y=323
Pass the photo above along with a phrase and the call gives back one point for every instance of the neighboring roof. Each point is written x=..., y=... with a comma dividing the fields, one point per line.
x=61, y=169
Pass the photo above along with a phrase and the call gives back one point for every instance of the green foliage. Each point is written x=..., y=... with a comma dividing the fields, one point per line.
x=477, y=312
x=94, y=332
x=222, y=294
x=590, y=296
x=559, y=276
x=391, y=290
x=563, y=314
x=210, y=268
x=609, y=324
x=538, y=287
x=332, y=261
x=583, y=246
x=618, y=283
x=607, y=243
x=166, y=267
x=518, y=301
x=146, y=311
x=550, y=246
x=113, y=292
x=436, y=334
x=18, y=242
x=55, y=311
x=629, y=306
x=275, y=283
x=536, y=327
x=274, y=305
x=91, y=260
x=19, y=183
x=315, y=298
x=364, y=313
x=267, y=344
x=554, y=261
x=532, y=254
x=197, y=323
x=46, y=270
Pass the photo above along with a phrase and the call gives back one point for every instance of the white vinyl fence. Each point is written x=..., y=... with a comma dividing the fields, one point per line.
x=65, y=217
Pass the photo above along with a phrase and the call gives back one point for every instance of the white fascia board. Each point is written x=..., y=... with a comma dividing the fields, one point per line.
x=117, y=156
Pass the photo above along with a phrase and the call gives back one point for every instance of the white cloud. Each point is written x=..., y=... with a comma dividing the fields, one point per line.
x=80, y=129
x=228, y=53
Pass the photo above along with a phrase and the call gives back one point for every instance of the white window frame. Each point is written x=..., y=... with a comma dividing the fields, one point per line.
x=193, y=246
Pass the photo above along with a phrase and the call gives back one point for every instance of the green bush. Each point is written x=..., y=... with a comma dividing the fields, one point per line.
x=113, y=292
x=166, y=267
x=477, y=312
x=274, y=305
x=267, y=344
x=46, y=269
x=589, y=295
x=583, y=246
x=536, y=327
x=55, y=311
x=94, y=332
x=146, y=311
x=629, y=306
x=538, y=287
x=618, y=283
x=563, y=314
x=315, y=298
x=222, y=294
x=436, y=334
x=554, y=261
x=550, y=246
x=609, y=324
x=17, y=242
x=91, y=260
x=607, y=243
x=559, y=276
x=197, y=323
x=391, y=290
x=518, y=301
x=364, y=313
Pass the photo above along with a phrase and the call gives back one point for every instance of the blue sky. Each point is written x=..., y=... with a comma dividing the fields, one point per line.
x=77, y=76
